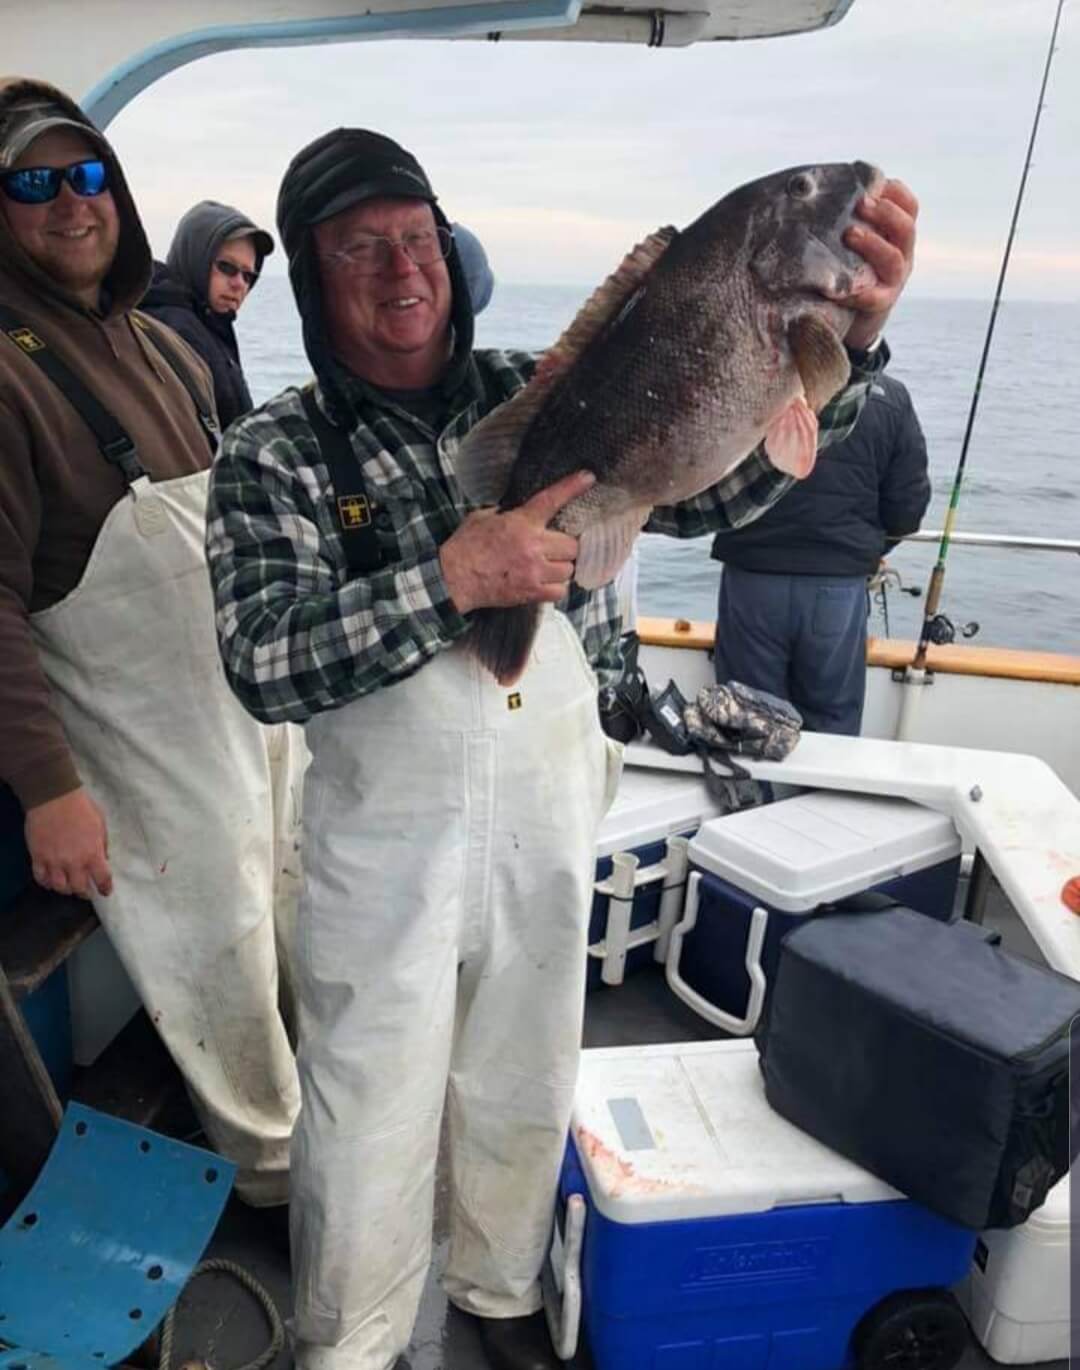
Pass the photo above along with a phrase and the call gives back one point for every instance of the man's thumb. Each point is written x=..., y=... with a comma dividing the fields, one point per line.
x=546, y=503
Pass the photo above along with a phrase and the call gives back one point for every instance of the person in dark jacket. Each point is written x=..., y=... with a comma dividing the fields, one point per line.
x=792, y=610
x=214, y=260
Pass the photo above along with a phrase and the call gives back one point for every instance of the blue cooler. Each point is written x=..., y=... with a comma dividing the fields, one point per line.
x=755, y=874
x=698, y=1230
x=640, y=879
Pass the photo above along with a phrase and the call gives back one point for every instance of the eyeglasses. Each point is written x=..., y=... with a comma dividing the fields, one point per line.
x=230, y=269
x=37, y=185
x=369, y=254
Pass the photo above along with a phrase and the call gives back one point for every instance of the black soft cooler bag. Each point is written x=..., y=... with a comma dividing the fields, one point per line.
x=932, y=1058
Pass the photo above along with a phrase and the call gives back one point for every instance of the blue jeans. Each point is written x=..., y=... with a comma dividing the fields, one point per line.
x=800, y=637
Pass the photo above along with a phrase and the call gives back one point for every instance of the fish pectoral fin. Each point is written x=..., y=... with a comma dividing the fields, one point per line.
x=820, y=359
x=603, y=547
x=791, y=439
x=483, y=461
x=604, y=306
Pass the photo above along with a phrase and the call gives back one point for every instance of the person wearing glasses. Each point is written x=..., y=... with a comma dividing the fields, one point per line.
x=449, y=847
x=145, y=787
x=213, y=262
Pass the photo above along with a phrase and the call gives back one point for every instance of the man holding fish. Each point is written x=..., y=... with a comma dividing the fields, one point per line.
x=432, y=596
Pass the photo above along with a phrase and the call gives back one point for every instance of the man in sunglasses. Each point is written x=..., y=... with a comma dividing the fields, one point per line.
x=214, y=260
x=145, y=786
x=449, y=822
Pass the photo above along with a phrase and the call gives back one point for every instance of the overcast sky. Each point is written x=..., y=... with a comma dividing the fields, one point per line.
x=561, y=156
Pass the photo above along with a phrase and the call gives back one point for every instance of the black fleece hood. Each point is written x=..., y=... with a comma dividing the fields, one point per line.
x=340, y=169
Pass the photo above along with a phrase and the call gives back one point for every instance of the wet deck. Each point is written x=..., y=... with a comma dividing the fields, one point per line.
x=220, y=1324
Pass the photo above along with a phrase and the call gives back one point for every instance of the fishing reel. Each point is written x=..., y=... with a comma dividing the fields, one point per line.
x=940, y=630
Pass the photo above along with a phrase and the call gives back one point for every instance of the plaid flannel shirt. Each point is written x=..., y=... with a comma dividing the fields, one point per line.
x=299, y=634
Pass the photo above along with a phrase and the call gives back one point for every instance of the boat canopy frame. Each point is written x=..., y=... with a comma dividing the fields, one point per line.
x=123, y=46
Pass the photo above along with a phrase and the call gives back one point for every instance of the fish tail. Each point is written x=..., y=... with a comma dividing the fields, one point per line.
x=501, y=639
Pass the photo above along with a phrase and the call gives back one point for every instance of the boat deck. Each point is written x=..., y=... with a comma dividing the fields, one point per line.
x=219, y=1323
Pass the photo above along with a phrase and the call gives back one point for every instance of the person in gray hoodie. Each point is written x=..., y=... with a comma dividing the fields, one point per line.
x=214, y=260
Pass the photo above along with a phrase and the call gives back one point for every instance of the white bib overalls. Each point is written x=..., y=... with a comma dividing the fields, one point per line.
x=201, y=805
x=449, y=855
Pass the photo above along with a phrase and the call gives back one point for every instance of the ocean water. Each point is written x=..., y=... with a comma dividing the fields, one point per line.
x=1022, y=474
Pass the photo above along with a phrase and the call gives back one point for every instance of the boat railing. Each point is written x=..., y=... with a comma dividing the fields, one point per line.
x=1016, y=540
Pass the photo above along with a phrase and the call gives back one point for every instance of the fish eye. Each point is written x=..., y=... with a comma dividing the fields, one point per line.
x=800, y=186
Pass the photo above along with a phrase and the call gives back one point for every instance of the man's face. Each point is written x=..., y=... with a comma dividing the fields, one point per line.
x=72, y=238
x=227, y=292
x=390, y=327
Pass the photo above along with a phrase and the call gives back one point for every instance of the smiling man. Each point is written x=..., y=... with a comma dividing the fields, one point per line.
x=145, y=787
x=449, y=822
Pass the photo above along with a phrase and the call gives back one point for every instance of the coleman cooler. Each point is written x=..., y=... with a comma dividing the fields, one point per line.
x=757, y=874
x=640, y=871
x=697, y=1229
x=937, y=1060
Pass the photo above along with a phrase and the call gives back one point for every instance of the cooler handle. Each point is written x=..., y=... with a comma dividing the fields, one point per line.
x=561, y=1280
x=759, y=921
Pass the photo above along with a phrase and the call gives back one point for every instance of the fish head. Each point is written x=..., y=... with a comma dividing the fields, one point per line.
x=795, y=227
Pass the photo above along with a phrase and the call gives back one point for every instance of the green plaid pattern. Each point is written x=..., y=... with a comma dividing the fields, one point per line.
x=298, y=636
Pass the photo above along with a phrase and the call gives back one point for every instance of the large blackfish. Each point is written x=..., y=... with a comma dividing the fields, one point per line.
x=701, y=345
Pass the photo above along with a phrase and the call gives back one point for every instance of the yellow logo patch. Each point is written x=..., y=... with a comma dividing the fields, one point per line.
x=513, y=701
x=353, y=510
x=24, y=338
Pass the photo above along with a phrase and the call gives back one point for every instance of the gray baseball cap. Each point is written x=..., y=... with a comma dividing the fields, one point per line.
x=27, y=122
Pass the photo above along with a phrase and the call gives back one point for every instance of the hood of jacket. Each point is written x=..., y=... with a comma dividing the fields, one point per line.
x=127, y=278
x=166, y=292
x=324, y=171
x=198, y=239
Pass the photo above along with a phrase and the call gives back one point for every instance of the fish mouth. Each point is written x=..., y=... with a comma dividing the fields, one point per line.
x=841, y=274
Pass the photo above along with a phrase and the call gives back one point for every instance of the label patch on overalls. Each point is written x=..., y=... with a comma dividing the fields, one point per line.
x=26, y=339
x=513, y=701
x=354, y=511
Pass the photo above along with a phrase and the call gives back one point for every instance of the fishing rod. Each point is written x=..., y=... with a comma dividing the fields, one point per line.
x=932, y=623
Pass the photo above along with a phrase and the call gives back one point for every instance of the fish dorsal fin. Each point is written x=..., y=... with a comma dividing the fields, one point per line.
x=482, y=464
x=603, y=547
x=603, y=307
x=820, y=358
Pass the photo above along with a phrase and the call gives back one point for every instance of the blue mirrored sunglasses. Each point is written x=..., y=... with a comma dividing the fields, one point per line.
x=37, y=185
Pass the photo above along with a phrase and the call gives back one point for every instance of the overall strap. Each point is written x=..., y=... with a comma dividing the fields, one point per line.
x=166, y=345
x=359, y=538
x=112, y=439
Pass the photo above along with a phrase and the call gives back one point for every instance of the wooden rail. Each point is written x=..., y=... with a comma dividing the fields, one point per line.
x=1008, y=663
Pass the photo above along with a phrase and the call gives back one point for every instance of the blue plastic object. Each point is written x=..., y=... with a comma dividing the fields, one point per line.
x=103, y=1244
x=779, y=1290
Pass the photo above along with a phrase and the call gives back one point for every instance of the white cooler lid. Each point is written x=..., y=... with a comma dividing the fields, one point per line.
x=799, y=853
x=684, y=1131
x=650, y=805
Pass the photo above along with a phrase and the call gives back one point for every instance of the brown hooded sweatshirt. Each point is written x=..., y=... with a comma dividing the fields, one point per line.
x=56, y=488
